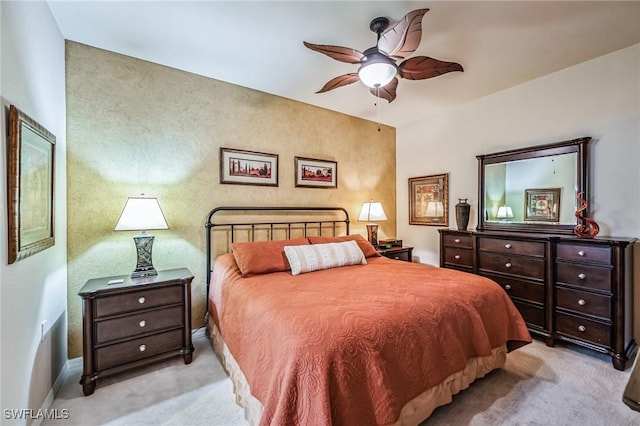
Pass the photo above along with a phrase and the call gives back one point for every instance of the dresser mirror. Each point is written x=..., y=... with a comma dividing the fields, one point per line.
x=532, y=189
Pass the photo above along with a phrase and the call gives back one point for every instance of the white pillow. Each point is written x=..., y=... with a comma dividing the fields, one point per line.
x=315, y=257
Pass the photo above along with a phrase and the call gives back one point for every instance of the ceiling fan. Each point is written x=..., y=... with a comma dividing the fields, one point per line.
x=378, y=69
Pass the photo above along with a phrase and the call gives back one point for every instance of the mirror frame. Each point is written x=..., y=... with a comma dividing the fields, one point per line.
x=579, y=146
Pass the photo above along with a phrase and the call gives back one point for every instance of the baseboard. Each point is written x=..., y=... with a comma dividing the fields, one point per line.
x=69, y=366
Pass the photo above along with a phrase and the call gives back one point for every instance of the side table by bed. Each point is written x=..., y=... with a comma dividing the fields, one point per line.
x=397, y=253
x=131, y=322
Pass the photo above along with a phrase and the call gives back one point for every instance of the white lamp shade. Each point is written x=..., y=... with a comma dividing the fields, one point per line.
x=141, y=214
x=434, y=209
x=372, y=212
x=504, y=212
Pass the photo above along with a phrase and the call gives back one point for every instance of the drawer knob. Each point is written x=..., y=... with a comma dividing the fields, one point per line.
x=508, y=265
x=142, y=323
x=457, y=240
x=582, y=276
x=141, y=300
x=581, y=302
x=508, y=246
x=397, y=258
x=456, y=257
x=582, y=328
x=581, y=253
x=507, y=287
x=142, y=348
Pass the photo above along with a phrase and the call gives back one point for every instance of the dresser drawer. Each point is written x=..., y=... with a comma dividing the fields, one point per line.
x=533, y=315
x=595, y=277
x=530, y=267
x=143, y=299
x=583, y=302
x=584, y=329
x=133, y=350
x=529, y=248
x=398, y=255
x=584, y=253
x=133, y=325
x=526, y=290
x=464, y=241
x=458, y=257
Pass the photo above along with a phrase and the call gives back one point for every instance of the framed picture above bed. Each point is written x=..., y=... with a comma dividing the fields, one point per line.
x=314, y=173
x=248, y=168
x=429, y=200
x=30, y=173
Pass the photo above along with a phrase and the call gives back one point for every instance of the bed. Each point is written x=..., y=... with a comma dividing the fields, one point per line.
x=317, y=328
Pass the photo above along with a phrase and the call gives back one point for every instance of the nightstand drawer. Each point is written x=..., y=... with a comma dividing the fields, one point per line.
x=529, y=267
x=594, y=277
x=133, y=325
x=529, y=248
x=584, y=302
x=584, y=329
x=133, y=350
x=398, y=255
x=134, y=301
x=582, y=253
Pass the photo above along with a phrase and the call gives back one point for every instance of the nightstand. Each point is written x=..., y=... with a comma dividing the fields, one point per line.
x=397, y=253
x=131, y=322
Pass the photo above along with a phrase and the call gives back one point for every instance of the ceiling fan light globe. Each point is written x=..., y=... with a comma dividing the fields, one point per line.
x=377, y=74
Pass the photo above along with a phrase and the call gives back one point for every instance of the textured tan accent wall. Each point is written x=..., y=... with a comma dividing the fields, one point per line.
x=136, y=127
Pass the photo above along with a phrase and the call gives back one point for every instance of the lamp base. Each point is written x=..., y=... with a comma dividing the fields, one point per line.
x=372, y=234
x=144, y=245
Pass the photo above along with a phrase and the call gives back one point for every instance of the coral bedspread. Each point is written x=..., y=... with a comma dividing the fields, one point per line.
x=352, y=345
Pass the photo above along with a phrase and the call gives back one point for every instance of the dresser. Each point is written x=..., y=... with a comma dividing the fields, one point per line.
x=566, y=288
x=131, y=322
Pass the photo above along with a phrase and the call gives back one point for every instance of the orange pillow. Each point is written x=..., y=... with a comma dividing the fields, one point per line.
x=365, y=246
x=263, y=257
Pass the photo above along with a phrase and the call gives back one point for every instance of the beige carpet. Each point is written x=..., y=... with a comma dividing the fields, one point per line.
x=538, y=386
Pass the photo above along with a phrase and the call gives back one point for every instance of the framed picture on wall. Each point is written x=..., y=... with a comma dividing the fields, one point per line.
x=429, y=200
x=30, y=173
x=314, y=173
x=248, y=167
x=542, y=205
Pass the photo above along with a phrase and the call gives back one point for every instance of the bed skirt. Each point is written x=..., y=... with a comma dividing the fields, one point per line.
x=413, y=413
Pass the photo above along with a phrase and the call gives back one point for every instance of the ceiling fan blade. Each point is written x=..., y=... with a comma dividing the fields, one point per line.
x=341, y=80
x=387, y=92
x=342, y=54
x=422, y=67
x=403, y=39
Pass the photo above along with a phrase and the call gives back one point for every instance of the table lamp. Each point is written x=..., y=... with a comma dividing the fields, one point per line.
x=142, y=214
x=372, y=212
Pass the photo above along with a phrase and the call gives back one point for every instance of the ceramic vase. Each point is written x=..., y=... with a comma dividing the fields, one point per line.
x=462, y=214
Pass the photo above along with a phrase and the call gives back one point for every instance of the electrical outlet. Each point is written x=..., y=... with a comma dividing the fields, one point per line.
x=43, y=330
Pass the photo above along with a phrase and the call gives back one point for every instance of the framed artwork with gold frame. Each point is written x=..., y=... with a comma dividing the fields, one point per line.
x=30, y=178
x=429, y=200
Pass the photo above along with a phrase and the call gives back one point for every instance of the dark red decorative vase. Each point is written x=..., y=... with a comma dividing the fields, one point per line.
x=586, y=228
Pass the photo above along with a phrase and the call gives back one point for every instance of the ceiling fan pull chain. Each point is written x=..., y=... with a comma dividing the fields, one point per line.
x=377, y=104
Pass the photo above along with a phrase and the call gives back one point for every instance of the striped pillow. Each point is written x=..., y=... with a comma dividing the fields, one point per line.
x=323, y=256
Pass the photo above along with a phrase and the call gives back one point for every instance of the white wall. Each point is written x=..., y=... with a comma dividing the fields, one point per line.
x=34, y=289
x=599, y=98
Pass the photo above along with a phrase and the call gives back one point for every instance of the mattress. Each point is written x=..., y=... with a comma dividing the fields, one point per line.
x=381, y=343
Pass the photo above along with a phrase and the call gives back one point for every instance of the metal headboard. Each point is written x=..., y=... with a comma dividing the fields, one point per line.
x=211, y=223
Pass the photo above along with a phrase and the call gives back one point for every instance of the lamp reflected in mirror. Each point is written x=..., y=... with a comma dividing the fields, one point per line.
x=504, y=213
